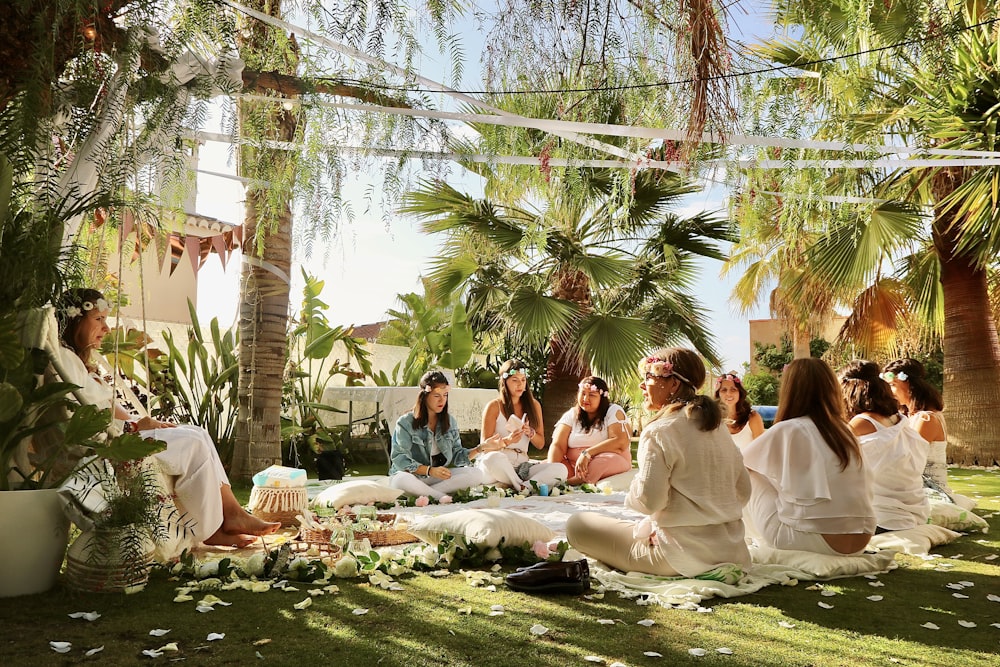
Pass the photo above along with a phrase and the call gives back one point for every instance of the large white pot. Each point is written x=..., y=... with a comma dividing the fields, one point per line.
x=33, y=537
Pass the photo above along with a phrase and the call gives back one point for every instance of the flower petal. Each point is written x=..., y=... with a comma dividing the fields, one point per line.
x=305, y=604
x=94, y=651
x=930, y=626
x=538, y=629
x=875, y=598
x=824, y=605
x=724, y=650
x=967, y=624
x=786, y=624
x=61, y=647
x=697, y=652
x=594, y=658
x=158, y=632
x=215, y=636
x=646, y=621
x=652, y=654
x=359, y=611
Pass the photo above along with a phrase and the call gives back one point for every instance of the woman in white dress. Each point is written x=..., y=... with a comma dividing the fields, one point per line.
x=811, y=488
x=743, y=422
x=894, y=452
x=592, y=439
x=691, y=484
x=516, y=409
x=202, y=491
x=922, y=403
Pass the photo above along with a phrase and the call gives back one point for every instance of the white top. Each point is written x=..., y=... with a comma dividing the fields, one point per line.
x=580, y=438
x=744, y=437
x=693, y=484
x=516, y=452
x=93, y=390
x=814, y=494
x=896, y=456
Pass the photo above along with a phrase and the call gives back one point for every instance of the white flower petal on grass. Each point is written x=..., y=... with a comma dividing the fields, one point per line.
x=605, y=621
x=993, y=598
x=316, y=592
x=967, y=624
x=995, y=625
x=452, y=633
x=617, y=664
x=305, y=604
x=697, y=652
x=204, y=608
x=61, y=647
x=991, y=557
x=183, y=598
x=538, y=629
x=259, y=587
x=158, y=632
x=215, y=636
x=930, y=626
x=94, y=651
x=704, y=610
x=786, y=624
x=85, y=615
x=960, y=596
x=467, y=611
x=824, y=605
x=172, y=646
x=954, y=587
x=967, y=584
x=871, y=576
x=646, y=622
x=152, y=653
x=876, y=584
x=724, y=650
x=594, y=658
x=875, y=598
x=828, y=594
x=492, y=588
x=496, y=613
x=652, y=654
x=359, y=611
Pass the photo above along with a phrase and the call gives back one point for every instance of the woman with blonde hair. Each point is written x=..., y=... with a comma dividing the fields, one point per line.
x=811, y=489
x=691, y=483
x=516, y=417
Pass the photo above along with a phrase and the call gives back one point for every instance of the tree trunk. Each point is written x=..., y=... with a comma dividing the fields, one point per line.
x=971, y=351
x=800, y=342
x=564, y=368
x=267, y=263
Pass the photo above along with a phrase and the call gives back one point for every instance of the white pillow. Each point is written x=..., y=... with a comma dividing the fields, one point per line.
x=483, y=527
x=953, y=517
x=916, y=540
x=619, y=482
x=808, y=565
x=360, y=492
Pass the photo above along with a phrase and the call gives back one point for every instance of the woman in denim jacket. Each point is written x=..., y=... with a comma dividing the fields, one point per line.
x=427, y=454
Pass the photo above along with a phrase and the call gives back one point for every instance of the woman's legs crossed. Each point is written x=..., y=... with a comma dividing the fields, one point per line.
x=611, y=541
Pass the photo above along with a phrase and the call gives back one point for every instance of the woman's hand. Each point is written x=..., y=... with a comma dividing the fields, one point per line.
x=148, y=424
x=440, y=472
x=582, y=463
x=494, y=443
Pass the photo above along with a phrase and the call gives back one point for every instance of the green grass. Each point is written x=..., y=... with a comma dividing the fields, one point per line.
x=424, y=624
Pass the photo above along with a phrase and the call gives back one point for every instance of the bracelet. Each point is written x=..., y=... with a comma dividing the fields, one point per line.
x=130, y=427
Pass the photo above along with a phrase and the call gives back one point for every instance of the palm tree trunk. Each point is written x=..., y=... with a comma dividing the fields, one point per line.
x=267, y=262
x=564, y=368
x=971, y=346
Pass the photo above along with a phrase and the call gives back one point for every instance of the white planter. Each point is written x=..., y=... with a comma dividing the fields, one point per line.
x=33, y=537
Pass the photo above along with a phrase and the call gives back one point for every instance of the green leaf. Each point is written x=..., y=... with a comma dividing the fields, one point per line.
x=11, y=349
x=85, y=423
x=130, y=447
x=10, y=401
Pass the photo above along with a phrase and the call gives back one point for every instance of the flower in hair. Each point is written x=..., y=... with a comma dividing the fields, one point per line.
x=732, y=377
x=657, y=366
x=585, y=386
x=72, y=311
x=428, y=389
x=889, y=376
x=514, y=371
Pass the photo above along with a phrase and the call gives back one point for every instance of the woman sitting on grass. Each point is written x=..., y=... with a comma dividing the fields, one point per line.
x=894, y=453
x=427, y=454
x=691, y=483
x=592, y=439
x=203, y=494
x=811, y=488
x=744, y=423
x=511, y=466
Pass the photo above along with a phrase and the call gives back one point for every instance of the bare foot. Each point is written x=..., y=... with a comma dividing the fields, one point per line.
x=575, y=481
x=247, y=524
x=220, y=538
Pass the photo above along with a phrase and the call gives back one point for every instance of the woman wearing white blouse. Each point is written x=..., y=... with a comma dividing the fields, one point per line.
x=811, y=489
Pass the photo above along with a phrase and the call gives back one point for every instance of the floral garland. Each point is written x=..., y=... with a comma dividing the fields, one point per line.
x=732, y=377
x=584, y=386
x=514, y=371
x=657, y=366
x=101, y=305
x=889, y=376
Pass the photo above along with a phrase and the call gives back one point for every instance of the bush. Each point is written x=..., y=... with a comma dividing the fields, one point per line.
x=762, y=388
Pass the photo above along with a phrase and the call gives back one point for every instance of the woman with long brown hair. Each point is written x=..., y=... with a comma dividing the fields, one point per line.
x=811, y=490
x=744, y=423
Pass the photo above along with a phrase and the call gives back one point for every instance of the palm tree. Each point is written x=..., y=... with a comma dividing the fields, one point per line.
x=598, y=279
x=940, y=92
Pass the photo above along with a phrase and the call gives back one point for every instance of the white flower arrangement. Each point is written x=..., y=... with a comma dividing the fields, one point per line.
x=593, y=387
x=656, y=366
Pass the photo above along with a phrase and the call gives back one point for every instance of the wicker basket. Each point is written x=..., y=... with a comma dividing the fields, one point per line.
x=271, y=504
x=314, y=535
x=351, y=517
x=385, y=537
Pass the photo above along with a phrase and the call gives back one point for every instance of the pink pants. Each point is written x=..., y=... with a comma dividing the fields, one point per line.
x=603, y=465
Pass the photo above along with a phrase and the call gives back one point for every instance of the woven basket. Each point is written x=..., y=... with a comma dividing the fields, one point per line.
x=314, y=535
x=316, y=549
x=351, y=517
x=385, y=537
x=282, y=505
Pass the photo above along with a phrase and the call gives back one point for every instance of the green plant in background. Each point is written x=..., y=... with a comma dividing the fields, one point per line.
x=310, y=369
x=199, y=385
x=438, y=335
x=762, y=388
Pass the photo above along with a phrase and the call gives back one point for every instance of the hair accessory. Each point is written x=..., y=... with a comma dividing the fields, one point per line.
x=889, y=376
x=514, y=371
x=75, y=311
x=657, y=366
x=593, y=387
x=735, y=379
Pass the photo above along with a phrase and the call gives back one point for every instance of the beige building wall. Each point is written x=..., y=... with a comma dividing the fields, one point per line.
x=165, y=295
x=770, y=331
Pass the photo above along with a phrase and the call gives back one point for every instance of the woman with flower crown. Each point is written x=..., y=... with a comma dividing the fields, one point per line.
x=427, y=455
x=202, y=491
x=743, y=422
x=691, y=484
x=592, y=439
x=811, y=488
x=517, y=418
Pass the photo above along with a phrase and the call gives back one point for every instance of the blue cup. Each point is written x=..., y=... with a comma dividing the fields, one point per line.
x=543, y=489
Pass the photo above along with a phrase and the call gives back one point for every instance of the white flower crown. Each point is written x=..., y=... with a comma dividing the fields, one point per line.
x=593, y=387
x=514, y=371
x=75, y=311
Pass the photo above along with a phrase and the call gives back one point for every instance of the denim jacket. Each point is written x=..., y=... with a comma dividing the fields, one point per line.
x=411, y=447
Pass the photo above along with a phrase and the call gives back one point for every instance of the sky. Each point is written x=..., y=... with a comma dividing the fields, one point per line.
x=371, y=261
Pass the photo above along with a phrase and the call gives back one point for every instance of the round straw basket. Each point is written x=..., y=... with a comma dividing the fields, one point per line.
x=278, y=504
x=385, y=537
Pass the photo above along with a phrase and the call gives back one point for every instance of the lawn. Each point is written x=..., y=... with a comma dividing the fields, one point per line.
x=443, y=620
